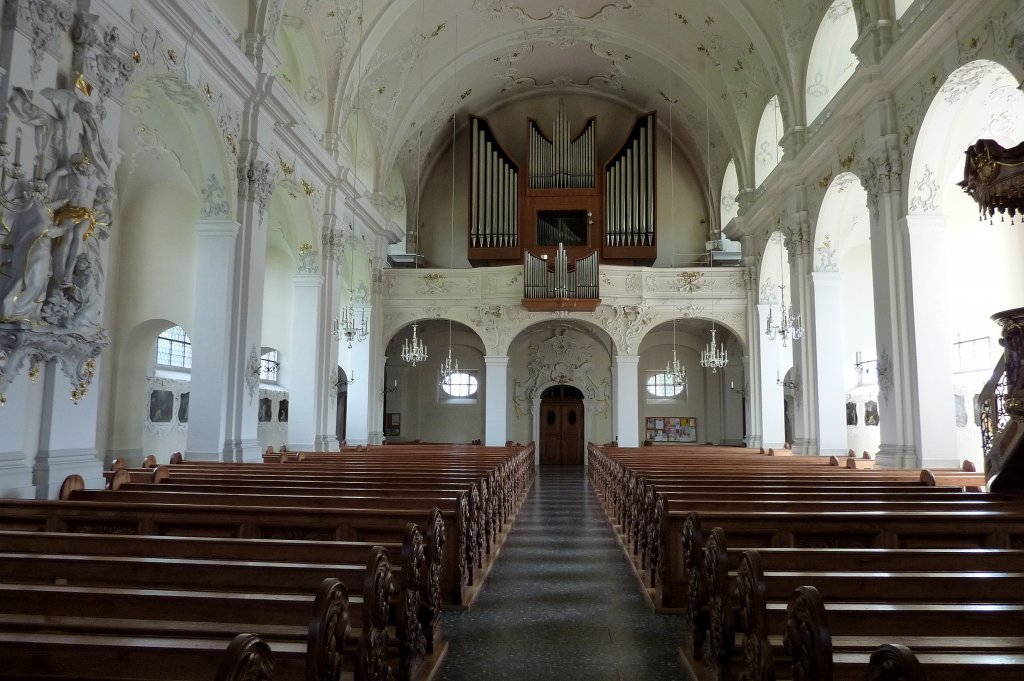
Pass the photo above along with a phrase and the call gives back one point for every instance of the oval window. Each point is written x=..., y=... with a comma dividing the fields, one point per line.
x=572, y=418
x=551, y=418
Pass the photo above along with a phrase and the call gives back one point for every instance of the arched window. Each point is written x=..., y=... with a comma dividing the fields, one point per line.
x=768, y=152
x=460, y=384
x=730, y=189
x=174, y=349
x=832, y=61
x=660, y=384
x=270, y=366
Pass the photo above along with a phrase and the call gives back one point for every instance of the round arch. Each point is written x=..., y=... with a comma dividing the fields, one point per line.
x=831, y=62
x=768, y=150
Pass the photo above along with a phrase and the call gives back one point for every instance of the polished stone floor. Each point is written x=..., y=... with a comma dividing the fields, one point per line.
x=561, y=601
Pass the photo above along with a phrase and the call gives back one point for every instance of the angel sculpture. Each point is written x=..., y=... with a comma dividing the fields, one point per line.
x=47, y=234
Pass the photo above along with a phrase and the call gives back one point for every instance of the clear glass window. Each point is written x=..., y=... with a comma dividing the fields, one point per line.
x=460, y=384
x=270, y=366
x=663, y=385
x=174, y=349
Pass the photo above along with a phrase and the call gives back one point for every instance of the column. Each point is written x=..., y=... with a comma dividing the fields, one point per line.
x=215, y=257
x=303, y=384
x=627, y=399
x=805, y=402
x=935, y=432
x=881, y=175
x=364, y=394
x=828, y=346
x=773, y=426
x=255, y=185
x=328, y=357
x=496, y=401
x=755, y=339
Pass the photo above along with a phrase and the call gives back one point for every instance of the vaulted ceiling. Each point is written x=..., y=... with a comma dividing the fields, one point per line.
x=406, y=64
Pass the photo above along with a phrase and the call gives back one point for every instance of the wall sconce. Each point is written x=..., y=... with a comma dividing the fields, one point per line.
x=385, y=390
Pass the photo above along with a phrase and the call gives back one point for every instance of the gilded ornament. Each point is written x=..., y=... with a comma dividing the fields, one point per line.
x=173, y=56
x=308, y=187
x=82, y=85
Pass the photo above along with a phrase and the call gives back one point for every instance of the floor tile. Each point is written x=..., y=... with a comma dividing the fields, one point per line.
x=561, y=601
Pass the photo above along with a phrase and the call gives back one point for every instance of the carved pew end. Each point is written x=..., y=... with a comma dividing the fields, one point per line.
x=247, y=657
x=176, y=457
x=74, y=483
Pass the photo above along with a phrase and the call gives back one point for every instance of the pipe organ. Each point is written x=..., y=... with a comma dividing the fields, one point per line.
x=565, y=198
x=629, y=189
x=562, y=162
x=560, y=288
x=494, y=192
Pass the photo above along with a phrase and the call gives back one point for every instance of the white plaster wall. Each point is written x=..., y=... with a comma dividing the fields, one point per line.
x=277, y=304
x=427, y=412
x=692, y=402
x=154, y=291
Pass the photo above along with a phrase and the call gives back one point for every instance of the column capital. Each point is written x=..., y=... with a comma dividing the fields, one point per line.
x=496, y=360
x=627, y=360
x=217, y=227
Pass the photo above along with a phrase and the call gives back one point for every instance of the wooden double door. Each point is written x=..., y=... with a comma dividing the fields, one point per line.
x=561, y=426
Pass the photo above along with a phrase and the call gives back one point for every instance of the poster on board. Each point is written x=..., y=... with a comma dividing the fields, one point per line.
x=671, y=429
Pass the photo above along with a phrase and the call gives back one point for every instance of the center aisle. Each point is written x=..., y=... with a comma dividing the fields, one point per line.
x=562, y=602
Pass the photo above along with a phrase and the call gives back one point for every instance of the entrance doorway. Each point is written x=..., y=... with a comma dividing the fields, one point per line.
x=561, y=426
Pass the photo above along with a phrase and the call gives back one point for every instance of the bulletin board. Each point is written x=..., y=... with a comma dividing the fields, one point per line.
x=671, y=429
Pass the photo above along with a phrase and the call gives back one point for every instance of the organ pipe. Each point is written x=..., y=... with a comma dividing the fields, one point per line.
x=560, y=282
x=630, y=181
x=494, y=178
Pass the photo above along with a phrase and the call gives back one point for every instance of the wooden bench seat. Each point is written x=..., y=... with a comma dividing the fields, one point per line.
x=45, y=655
x=245, y=522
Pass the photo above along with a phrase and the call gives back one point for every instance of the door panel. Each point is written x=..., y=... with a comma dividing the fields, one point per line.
x=572, y=434
x=550, y=433
x=561, y=432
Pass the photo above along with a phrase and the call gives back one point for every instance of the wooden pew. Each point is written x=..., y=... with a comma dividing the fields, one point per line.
x=246, y=522
x=811, y=644
x=246, y=658
x=98, y=648
x=734, y=603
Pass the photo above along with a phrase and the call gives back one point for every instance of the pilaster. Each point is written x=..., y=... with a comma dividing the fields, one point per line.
x=805, y=416
x=496, y=401
x=881, y=175
x=215, y=264
x=627, y=399
x=773, y=426
x=303, y=384
x=828, y=347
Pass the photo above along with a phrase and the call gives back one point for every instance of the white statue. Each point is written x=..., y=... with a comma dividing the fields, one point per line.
x=53, y=268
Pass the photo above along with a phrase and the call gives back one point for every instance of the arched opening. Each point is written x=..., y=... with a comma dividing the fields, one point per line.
x=768, y=148
x=421, y=402
x=832, y=61
x=561, y=426
x=979, y=100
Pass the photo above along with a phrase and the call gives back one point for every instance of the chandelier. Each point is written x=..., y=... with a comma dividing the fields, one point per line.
x=675, y=373
x=787, y=325
x=414, y=351
x=449, y=367
x=349, y=327
x=714, y=356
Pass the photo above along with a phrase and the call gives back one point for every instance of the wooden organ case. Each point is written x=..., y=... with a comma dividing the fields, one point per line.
x=566, y=196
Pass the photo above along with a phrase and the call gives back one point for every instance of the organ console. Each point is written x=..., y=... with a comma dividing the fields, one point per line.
x=565, y=200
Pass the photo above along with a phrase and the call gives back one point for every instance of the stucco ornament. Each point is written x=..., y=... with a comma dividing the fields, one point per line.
x=565, y=357
x=54, y=223
x=496, y=323
x=625, y=323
